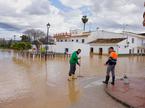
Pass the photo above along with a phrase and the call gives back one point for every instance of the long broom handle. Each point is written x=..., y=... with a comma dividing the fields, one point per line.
x=79, y=71
x=80, y=68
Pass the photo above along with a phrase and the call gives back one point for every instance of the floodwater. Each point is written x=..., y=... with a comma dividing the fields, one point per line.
x=28, y=83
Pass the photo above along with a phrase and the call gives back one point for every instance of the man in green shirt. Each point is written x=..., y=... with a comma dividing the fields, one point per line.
x=73, y=61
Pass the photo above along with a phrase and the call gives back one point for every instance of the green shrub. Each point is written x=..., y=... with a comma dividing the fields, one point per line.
x=21, y=46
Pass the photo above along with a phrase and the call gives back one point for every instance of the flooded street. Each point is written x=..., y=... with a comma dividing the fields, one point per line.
x=27, y=83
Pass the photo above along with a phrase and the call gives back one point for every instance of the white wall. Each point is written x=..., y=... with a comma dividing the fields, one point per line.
x=121, y=47
x=74, y=39
x=104, y=47
x=72, y=46
x=134, y=47
x=103, y=35
x=60, y=47
x=79, y=39
x=50, y=47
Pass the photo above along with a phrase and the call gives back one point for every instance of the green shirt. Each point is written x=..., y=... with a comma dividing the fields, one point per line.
x=74, y=58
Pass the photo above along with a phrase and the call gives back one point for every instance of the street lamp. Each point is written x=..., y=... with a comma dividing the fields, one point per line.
x=46, y=47
x=48, y=27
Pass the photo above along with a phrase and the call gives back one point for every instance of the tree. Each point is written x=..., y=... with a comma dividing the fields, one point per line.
x=6, y=44
x=10, y=42
x=84, y=20
x=34, y=34
x=44, y=40
x=25, y=38
x=21, y=46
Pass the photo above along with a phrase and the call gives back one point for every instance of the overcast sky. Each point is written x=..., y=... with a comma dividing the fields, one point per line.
x=18, y=15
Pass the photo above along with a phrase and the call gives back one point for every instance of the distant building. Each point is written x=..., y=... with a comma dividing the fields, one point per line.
x=78, y=37
x=98, y=42
x=126, y=43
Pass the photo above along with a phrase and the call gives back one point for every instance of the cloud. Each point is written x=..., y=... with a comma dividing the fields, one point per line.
x=38, y=7
x=76, y=3
x=120, y=12
x=9, y=27
x=112, y=14
x=19, y=15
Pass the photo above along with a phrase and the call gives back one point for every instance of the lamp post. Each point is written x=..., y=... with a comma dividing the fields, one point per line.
x=48, y=27
x=46, y=47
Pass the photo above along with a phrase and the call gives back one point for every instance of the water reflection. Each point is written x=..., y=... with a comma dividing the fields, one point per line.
x=43, y=84
x=73, y=92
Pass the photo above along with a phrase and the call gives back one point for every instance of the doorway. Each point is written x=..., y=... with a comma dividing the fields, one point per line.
x=100, y=51
x=66, y=50
x=130, y=51
x=91, y=50
x=138, y=51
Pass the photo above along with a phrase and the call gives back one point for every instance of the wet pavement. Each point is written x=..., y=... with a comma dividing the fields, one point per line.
x=28, y=83
x=131, y=95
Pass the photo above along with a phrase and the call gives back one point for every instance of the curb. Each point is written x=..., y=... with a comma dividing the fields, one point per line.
x=118, y=100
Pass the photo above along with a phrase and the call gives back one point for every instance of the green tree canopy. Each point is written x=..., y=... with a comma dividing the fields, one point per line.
x=25, y=38
x=22, y=46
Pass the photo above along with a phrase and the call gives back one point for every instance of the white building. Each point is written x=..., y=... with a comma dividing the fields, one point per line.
x=99, y=41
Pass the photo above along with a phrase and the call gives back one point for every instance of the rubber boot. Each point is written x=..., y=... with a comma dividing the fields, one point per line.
x=113, y=80
x=107, y=79
x=74, y=77
x=70, y=78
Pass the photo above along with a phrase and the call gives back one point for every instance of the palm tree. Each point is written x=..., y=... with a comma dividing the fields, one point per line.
x=84, y=20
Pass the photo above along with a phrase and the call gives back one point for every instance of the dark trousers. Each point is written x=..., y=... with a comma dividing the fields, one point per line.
x=111, y=68
x=72, y=69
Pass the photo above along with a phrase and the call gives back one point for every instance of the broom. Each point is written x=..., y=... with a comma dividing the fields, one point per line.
x=80, y=71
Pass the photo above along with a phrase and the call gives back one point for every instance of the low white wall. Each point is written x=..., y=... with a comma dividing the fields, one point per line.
x=104, y=48
x=72, y=46
x=50, y=47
